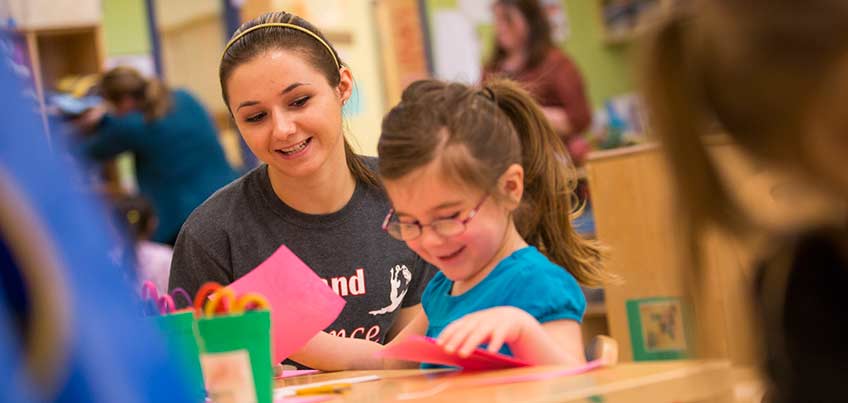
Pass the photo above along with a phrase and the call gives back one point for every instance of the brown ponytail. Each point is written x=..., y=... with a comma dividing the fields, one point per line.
x=550, y=180
x=157, y=100
x=357, y=167
x=477, y=134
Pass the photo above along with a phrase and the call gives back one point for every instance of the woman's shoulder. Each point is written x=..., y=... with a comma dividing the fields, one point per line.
x=183, y=95
x=185, y=99
x=228, y=205
x=558, y=57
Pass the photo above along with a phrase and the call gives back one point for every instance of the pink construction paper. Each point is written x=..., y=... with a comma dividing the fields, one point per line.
x=301, y=304
x=297, y=372
x=425, y=349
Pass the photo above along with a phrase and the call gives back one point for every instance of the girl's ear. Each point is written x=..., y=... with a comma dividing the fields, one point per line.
x=345, y=87
x=511, y=186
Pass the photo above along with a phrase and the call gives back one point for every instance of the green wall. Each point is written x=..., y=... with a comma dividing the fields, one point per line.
x=605, y=68
x=125, y=27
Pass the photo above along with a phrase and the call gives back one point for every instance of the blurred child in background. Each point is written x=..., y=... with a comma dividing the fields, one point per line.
x=153, y=259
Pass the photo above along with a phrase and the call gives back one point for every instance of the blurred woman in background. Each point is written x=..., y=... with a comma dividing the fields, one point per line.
x=525, y=52
x=179, y=161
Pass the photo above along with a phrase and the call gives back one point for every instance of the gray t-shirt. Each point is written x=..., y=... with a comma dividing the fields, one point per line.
x=245, y=222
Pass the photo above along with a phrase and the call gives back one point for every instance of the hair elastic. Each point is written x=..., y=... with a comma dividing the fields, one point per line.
x=284, y=25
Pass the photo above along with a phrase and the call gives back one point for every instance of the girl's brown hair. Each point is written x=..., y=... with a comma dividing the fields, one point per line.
x=152, y=95
x=539, y=40
x=323, y=58
x=476, y=134
x=754, y=67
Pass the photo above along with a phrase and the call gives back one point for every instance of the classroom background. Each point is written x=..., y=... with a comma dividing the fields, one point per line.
x=60, y=46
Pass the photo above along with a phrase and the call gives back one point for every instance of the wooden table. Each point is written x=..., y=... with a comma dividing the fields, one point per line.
x=654, y=382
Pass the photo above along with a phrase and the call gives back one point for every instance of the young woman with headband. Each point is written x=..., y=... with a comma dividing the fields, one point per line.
x=285, y=87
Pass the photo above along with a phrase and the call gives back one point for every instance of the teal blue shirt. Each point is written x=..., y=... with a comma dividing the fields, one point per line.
x=179, y=161
x=526, y=279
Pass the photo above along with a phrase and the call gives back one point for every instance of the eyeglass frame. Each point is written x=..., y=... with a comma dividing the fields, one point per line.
x=471, y=214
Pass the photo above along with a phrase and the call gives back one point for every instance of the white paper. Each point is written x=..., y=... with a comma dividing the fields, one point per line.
x=456, y=47
x=228, y=377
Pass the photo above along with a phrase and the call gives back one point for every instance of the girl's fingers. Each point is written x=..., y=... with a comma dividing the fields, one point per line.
x=476, y=337
x=461, y=330
x=447, y=334
x=497, y=339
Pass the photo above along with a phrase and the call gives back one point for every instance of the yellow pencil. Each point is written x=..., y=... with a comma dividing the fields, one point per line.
x=323, y=389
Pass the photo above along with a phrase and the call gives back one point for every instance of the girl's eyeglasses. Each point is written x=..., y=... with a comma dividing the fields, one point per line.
x=446, y=227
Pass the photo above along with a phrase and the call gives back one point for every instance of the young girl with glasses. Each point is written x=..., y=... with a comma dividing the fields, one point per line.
x=480, y=190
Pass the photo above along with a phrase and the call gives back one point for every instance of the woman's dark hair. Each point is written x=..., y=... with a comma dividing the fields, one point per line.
x=539, y=40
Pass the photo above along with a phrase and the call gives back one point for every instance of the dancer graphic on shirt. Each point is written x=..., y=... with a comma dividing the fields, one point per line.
x=396, y=296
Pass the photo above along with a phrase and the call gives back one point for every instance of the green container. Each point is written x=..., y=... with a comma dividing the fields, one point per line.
x=181, y=333
x=232, y=348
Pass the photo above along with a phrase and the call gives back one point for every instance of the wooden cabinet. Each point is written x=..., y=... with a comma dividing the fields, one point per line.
x=63, y=37
x=64, y=51
x=635, y=217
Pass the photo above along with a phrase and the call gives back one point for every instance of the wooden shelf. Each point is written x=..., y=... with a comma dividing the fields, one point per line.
x=58, y=52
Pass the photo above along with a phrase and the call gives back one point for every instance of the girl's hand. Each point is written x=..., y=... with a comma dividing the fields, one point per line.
x=504, y=324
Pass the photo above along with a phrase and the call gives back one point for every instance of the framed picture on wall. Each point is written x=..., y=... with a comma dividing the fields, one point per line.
x=658, y=328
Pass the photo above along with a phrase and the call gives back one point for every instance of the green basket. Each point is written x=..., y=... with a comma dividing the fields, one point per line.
x=181, y=333
x=235, y=349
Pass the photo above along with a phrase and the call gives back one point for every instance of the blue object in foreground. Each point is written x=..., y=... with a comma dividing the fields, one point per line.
x=70, y=326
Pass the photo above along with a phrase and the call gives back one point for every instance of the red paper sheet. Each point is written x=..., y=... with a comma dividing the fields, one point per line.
x=425, y=349
x=301, y=304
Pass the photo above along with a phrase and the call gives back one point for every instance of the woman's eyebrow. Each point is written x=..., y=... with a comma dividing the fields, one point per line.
x=286, y=90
